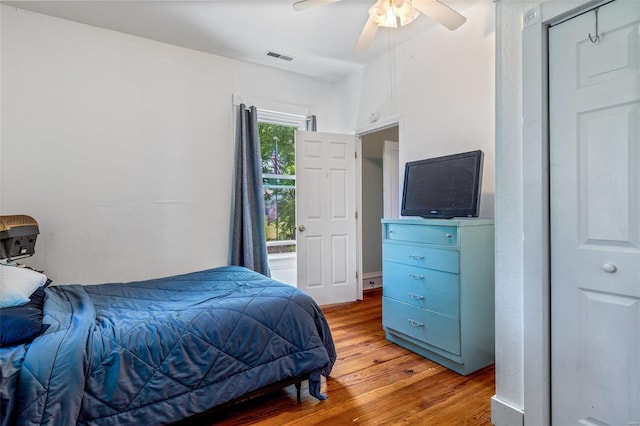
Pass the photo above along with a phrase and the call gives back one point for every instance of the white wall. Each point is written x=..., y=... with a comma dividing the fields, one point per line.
x=122, y=147
x=441, y=85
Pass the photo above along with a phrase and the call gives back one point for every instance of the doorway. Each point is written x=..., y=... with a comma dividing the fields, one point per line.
x=373, y=196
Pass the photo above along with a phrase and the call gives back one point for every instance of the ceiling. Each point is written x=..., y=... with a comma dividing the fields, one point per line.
x=320, y=40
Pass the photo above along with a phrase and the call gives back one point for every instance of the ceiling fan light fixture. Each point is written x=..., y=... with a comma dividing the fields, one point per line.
x=396, y=13
x=393, y=13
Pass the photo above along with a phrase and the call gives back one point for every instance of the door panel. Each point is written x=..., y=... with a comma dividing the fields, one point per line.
x=312, y=261
x=340, y=268
x=313, y=201
x=606, y=186
x=595, y=217
x=325, y=191
x=339, y=194
x=605, y=354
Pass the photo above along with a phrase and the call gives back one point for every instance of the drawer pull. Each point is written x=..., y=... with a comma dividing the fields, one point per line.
x=416, y=277
x=415, y=296
x=448, y=235
x=416, y=257
x=415, y=323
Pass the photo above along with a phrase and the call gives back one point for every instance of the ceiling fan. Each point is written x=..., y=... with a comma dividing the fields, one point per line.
x=395, y=13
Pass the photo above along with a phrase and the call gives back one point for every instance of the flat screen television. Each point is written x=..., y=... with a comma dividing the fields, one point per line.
x=443, y=187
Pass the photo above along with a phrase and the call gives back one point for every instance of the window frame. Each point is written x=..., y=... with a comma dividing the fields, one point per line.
x=287, y=120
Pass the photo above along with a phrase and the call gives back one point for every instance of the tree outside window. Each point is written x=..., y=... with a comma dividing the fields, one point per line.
x=278, y=170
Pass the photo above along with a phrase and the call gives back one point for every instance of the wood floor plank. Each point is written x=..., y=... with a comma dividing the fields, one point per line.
x=374, y=382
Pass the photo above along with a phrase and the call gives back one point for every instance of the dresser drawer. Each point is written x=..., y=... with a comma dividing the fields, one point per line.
x=424, y=288
x=424, y=257
x=444, y=235
x=435, y=329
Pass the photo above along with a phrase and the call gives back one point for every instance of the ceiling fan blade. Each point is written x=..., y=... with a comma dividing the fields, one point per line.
x=367, y=34
x=306, y=4
x=440, y=12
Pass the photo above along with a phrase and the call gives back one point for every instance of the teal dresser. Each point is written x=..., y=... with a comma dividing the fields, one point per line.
x=438, y=289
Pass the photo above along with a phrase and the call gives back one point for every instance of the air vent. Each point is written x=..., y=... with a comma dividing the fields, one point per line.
x=280, y=56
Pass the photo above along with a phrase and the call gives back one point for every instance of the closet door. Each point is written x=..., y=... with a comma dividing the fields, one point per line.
x=595, y=217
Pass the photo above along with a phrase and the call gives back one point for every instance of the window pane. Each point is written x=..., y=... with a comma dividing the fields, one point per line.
x=280, y=213
x=278, y=170
x=279, y=180
x=277, y=149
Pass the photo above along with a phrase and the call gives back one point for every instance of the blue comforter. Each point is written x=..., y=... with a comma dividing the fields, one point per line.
x=162, y=350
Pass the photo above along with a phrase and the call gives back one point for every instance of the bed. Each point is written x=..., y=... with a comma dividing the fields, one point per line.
x=163, y=350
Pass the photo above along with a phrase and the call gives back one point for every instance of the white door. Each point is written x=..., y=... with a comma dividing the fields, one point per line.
x=391, y=180
x=326, y=208
x=595, y=217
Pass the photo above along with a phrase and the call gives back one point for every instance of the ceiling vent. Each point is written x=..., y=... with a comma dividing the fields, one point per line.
x=280, y=56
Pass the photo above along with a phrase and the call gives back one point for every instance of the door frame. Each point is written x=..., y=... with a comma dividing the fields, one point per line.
x=536, y=211
x=391, y=189
x=372, y=128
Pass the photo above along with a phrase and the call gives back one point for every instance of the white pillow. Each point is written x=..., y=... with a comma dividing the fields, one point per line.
x=18, y=284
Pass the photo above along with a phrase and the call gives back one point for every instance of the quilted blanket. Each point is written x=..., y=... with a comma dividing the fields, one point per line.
x=165, y=349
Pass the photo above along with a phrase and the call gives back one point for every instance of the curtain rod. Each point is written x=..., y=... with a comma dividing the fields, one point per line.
x=273, y=106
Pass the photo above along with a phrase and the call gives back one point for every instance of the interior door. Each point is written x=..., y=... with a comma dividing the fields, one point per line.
x=390, y=180
x=595, y=217
x=326, y=216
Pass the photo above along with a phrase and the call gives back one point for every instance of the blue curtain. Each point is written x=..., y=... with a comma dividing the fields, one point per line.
x=248, y=245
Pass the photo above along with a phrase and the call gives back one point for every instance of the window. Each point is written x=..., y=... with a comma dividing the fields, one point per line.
x=277, y=145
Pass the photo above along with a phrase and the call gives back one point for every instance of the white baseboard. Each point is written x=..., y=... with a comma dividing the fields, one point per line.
x=503, y=414
x=371, y=280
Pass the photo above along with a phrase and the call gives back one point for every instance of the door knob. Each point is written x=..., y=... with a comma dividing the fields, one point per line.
x=609, y=267
x=301, y=228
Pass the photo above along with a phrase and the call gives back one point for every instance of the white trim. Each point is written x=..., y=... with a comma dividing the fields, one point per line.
x=282, y=256
x=271, y=105
x=535, y=174
x=283, y=267
x=379, y=125
x=391, y=188
x=374, y=127
x=503, y=414
x=282, y=119
x=554, y=13
x=369, y=275
x=359, y=273
x=535, y=251
x=276, y=243
x=371, y=280
x=268, y=186
x=275, y=176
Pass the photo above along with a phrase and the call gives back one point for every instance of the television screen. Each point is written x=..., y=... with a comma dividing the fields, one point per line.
x=443, y=187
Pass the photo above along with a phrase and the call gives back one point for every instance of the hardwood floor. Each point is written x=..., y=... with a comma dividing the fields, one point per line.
x=373, y=382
